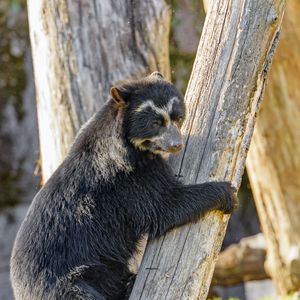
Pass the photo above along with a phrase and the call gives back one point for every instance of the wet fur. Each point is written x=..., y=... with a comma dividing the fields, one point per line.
x=84, y=225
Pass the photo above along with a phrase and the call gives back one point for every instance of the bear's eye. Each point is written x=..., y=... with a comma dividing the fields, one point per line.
x=156, y=124
x=180, y=120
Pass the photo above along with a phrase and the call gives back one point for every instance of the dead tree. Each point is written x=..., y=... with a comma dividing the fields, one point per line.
x=274, y=158
x=81, y=48
x=222, y=99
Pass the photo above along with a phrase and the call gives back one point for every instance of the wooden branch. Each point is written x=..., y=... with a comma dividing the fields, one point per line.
x=222, y=98
x=81, y=48
x=241, y=262
x=273, y=163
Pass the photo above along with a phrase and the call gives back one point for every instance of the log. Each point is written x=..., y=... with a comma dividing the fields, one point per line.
x=241, y=262
x=274, y=158
x=81, y=48
x=226, y=85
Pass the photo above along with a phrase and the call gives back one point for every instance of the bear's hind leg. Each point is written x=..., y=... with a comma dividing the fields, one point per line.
x=83, y=291
x=78, y=289
x=98, y=281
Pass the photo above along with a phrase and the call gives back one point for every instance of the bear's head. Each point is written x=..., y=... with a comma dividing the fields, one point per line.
x=153, y=112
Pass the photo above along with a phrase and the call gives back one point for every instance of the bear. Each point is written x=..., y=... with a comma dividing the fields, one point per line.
x=114, y=187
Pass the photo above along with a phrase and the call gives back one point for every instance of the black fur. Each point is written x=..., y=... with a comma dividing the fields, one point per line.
x=85, y=223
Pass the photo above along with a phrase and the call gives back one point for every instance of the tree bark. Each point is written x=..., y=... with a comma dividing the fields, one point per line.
x=222, y=98
x=274, y=158
x=81, y=48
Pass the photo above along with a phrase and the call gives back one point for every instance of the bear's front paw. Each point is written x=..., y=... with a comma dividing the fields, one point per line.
x=229, y=201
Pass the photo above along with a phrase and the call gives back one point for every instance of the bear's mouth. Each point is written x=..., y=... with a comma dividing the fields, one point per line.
x=156, y=148
x=152, y=146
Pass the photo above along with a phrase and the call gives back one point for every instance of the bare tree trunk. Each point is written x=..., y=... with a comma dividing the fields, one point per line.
x=79, y=49
x=274, y=158
x=222, y=98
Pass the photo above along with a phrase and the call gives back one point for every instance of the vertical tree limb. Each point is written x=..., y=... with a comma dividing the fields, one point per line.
x=222, y=98
x=274, y=158
x=79, y=49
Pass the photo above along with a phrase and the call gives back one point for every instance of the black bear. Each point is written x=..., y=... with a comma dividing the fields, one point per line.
x=113, y=187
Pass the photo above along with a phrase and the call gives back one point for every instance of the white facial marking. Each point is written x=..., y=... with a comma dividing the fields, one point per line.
x=161, y=111
x=165, y=111
x=171, y=103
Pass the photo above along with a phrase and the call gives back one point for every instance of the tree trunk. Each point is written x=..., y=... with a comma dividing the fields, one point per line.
x=81, y=48
x=274, y=158
x=222, y=99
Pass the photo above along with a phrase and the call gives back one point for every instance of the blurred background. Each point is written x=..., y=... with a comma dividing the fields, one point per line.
x=18, y=130
x=244, y=270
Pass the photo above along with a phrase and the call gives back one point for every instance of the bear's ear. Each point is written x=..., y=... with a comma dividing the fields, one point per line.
x=157, y=75
x=119, y=96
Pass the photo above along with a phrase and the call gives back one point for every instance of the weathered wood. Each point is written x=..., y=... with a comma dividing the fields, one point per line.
x=274, y=158
x=241, y=262
x=205, y=4
x=79, y=49
x=222, y=99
